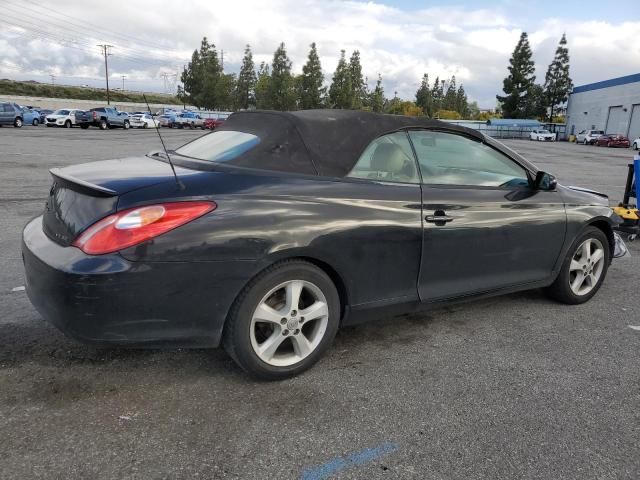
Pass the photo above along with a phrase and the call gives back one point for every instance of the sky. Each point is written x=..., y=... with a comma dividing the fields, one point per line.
x=399, y=39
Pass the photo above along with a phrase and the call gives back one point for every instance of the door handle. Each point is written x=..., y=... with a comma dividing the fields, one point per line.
x=439, y=217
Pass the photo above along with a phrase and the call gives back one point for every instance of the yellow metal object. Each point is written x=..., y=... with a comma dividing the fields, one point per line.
x=627, y=213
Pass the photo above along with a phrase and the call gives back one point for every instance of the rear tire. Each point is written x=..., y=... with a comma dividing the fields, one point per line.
x=17, y=122
x=103, y=125
x=67, y=124
x=582, y=271
x=267, y=333
x=35, y=122
x=126, y=125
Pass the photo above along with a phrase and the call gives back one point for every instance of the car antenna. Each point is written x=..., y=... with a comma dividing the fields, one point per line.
x=173, y=169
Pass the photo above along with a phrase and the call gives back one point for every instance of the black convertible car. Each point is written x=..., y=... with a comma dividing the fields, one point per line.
x=277, y=228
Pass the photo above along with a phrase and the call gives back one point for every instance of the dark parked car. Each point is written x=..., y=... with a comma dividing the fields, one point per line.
x=43, y=114
x=277, y=228
x=103, y=118
x=612, y=140
x=12, y=114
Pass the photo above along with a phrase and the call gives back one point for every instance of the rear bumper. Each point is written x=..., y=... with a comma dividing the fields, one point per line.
x=107, y=299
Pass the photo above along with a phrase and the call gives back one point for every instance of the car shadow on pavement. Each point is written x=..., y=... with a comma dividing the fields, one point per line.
x=33, y=344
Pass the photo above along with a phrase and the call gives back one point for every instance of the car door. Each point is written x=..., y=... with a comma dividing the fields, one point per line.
x=485, y=228
x=4, y=113
x=378, y=207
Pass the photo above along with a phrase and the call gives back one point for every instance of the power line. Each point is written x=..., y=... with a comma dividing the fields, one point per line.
x=74, y=42
x=82, y=23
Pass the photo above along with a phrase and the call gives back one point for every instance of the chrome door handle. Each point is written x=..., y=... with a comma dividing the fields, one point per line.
x=439, y=217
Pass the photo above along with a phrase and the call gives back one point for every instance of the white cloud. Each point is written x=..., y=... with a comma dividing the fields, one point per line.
x=472, y=43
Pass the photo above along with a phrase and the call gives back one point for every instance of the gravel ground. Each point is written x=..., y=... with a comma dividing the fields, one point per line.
x=512, y=387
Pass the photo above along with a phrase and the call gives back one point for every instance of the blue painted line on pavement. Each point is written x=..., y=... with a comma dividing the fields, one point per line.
x=321, y=472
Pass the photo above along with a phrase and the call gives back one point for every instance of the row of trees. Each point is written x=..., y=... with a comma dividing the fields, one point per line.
x=274, y=86
x=523, y=97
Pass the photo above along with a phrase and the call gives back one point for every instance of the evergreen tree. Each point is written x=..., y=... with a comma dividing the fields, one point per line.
x=450, y=96
x=462, y=102
x=281, y=85
x=536, y=103
x=246, y=84
x=437, y=92
x=517, y=101
x=358, y=84
x=376, y=98
x=423, y=97
x=312, y=92
x=263, y=98
x=203, y=81
x=341, y=89
x=557, y=82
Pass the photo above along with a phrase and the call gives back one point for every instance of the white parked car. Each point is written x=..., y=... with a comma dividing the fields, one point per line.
x=143, y=120
x=588, y=137
x=62, y=118
x=542, y=135
x=636, y=144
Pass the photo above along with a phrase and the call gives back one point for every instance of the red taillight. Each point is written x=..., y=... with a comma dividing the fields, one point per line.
x=95, y=115
x=136, y=225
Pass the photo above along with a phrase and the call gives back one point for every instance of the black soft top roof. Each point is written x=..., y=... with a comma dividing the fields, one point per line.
x=328, y=142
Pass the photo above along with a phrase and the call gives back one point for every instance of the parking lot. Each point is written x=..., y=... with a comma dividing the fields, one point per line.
x=511, y=387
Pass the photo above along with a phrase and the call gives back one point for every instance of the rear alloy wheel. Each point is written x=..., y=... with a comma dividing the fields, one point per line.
x=67, y=124
x=126, y=125
x=103, y=125
x=584, y=268
x=35, y=122
x=17, y=122
x=283, y=321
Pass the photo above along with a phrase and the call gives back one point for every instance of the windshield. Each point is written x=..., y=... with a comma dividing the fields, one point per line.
x=220, y=146
x=61, y=112
x=544, y=131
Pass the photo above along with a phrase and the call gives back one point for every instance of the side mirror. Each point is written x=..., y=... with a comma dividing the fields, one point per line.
x=545, y=181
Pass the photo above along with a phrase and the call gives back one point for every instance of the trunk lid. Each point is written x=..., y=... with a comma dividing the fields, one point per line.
x=83, y=194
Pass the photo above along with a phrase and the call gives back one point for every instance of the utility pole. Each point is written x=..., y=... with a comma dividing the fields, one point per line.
x=53, y=78
x=123, y=77
x=106, y=50
x=221, y=59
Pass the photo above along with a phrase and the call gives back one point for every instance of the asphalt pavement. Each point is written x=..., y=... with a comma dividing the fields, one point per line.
x=512, y=387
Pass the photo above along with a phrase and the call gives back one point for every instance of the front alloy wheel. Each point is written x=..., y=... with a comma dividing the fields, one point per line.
x=283, y=321
x=584, y=268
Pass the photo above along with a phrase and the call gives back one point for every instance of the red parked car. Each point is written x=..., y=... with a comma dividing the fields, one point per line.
x=612, y=140
x=212, y=123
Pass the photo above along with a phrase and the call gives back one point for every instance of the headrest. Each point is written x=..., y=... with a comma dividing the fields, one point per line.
x=388, y=157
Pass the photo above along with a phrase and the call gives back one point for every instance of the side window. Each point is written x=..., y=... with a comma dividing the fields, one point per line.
x=450, y=159
x=388, y=158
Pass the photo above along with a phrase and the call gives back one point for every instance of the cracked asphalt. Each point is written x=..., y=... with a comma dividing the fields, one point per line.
x=512, y=387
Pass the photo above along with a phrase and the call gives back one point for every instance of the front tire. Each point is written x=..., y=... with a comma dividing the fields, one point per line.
x=283, y=321
x=17, y=123
x=126, y=125
x=35, y=122
x=583, y=270
x=67, y=124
